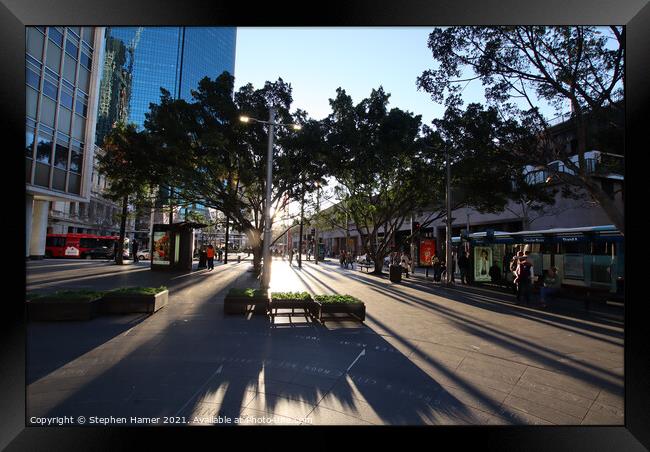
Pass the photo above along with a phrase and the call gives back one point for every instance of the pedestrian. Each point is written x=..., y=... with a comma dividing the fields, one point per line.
x=495, y=273
x=550, y=285
x=210, y=256
x=134, y=250
x=514, y=263
x=524, y=279
x=342, y=258
x=405, y=263
x=115, y=249
x=463, y=264
x=219, y=254
x=435, y=262
x=350, y=260
x=452, y=269
x=290, y=255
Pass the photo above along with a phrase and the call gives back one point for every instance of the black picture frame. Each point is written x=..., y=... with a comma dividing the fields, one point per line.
x=634, y=14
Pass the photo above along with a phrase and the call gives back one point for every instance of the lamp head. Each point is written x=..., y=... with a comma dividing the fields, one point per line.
x=244, y=118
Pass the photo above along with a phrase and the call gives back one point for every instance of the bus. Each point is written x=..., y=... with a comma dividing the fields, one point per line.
x=79, y=246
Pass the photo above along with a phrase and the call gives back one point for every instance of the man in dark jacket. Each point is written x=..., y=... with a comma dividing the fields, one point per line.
x=134, y=249
x=463, y=264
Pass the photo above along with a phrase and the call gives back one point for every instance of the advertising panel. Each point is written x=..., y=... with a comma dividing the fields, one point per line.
x=482, y=263
x=427, y=251
x=161, y=252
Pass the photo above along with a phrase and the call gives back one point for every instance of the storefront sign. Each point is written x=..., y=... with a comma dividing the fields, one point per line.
x=533, y=239
x=427, y=251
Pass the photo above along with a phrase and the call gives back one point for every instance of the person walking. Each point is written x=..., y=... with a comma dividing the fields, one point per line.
x=342, y=258
x=134, y=250
x=290, y=256
x=514, y=264
x=495, y=273
x=524, y=279
x=405, y=263
x=435, y=262
x=463, y=264
x=210, y=256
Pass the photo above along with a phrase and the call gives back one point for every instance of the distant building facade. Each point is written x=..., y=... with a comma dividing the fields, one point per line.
x=62, y=84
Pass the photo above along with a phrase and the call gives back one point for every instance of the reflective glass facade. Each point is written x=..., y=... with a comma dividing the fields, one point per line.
x=141, y=60
x=58, y=78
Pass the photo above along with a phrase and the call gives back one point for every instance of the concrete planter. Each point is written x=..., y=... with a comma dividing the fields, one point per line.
x=241, y=304
x=356, y=310
x=51, y=309
x=116, y=303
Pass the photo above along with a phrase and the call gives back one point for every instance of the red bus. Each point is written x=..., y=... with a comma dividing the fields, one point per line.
x=78, y=246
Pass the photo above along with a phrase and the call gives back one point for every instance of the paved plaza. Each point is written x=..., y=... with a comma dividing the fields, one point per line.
x=424, y=355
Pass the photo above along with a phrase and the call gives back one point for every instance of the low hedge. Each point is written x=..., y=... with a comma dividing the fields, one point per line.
x=248, y=293
x=66, y=296
x=342, y=299
x=138, y=290
x=303, y=296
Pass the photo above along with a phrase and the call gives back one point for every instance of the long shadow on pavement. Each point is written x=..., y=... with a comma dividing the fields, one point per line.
x=211, y=365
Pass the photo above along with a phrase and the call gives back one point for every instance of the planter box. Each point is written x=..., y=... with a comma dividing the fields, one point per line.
x=116, y=303
x=308, y=306
x=356, y=310
x=47, y=308
x=238, y=304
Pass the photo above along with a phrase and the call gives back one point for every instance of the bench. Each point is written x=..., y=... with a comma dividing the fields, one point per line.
x=365, y=265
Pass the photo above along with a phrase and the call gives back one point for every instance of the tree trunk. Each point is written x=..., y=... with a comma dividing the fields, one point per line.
x=225, y=256
x=257, y=259
x=302, y=214
x=119, y=258
x=379, y=266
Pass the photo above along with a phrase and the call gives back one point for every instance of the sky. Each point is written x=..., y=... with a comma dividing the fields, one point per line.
x=317, y=60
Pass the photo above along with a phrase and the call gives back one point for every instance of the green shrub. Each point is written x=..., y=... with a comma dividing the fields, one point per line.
x=304, y=296
x=325, y=299
x=71, y=296
x=250, y=293
x=139, y=290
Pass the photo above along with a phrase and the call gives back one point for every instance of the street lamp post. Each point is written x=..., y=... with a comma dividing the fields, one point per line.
x=266, y=251
x=448, y=258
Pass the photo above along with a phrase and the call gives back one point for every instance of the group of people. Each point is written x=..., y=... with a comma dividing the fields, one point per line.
x=522, y=268
x=347, y=258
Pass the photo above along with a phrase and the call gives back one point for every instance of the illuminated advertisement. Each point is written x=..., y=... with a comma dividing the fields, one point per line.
x=161, y=255
x=482, y=263
x=427, y=251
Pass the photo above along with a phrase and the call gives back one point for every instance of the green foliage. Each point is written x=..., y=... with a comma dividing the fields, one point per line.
x=250, y=293
x=329, y=299
x=139, y=290
x=304, y=296
x=67, y=296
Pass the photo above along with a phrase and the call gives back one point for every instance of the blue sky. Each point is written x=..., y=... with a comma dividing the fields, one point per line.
x=317, y=60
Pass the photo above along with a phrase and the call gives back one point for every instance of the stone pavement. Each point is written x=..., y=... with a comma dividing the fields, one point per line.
x=425, y=355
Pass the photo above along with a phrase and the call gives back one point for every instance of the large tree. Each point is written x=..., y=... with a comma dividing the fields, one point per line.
x=378, y=165
x=220, y=162
x=125, y=161
x=577, y=65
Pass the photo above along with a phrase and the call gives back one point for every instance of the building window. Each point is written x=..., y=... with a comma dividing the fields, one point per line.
x=35, y=40
x=29, y=140
x=71, y=48
x=51, y=84
x=78, y=128
x=61, y=154
x=33, y=72
x=48, y=107
x=65, y=116
x=66, y=96
x=44, y=146
x=76, y=159
x=87, y=34
x=69, y=68
x=32, y=102
x=55, y=35
x=53, y=59
x=82, y=104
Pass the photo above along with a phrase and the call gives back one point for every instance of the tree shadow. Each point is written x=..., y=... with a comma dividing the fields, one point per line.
x=212, y=365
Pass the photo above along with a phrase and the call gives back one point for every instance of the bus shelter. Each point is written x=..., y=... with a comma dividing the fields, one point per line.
x=589, y=257
x=173, y=246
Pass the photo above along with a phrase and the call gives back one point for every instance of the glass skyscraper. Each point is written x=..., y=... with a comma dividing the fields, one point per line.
x=140, y=60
